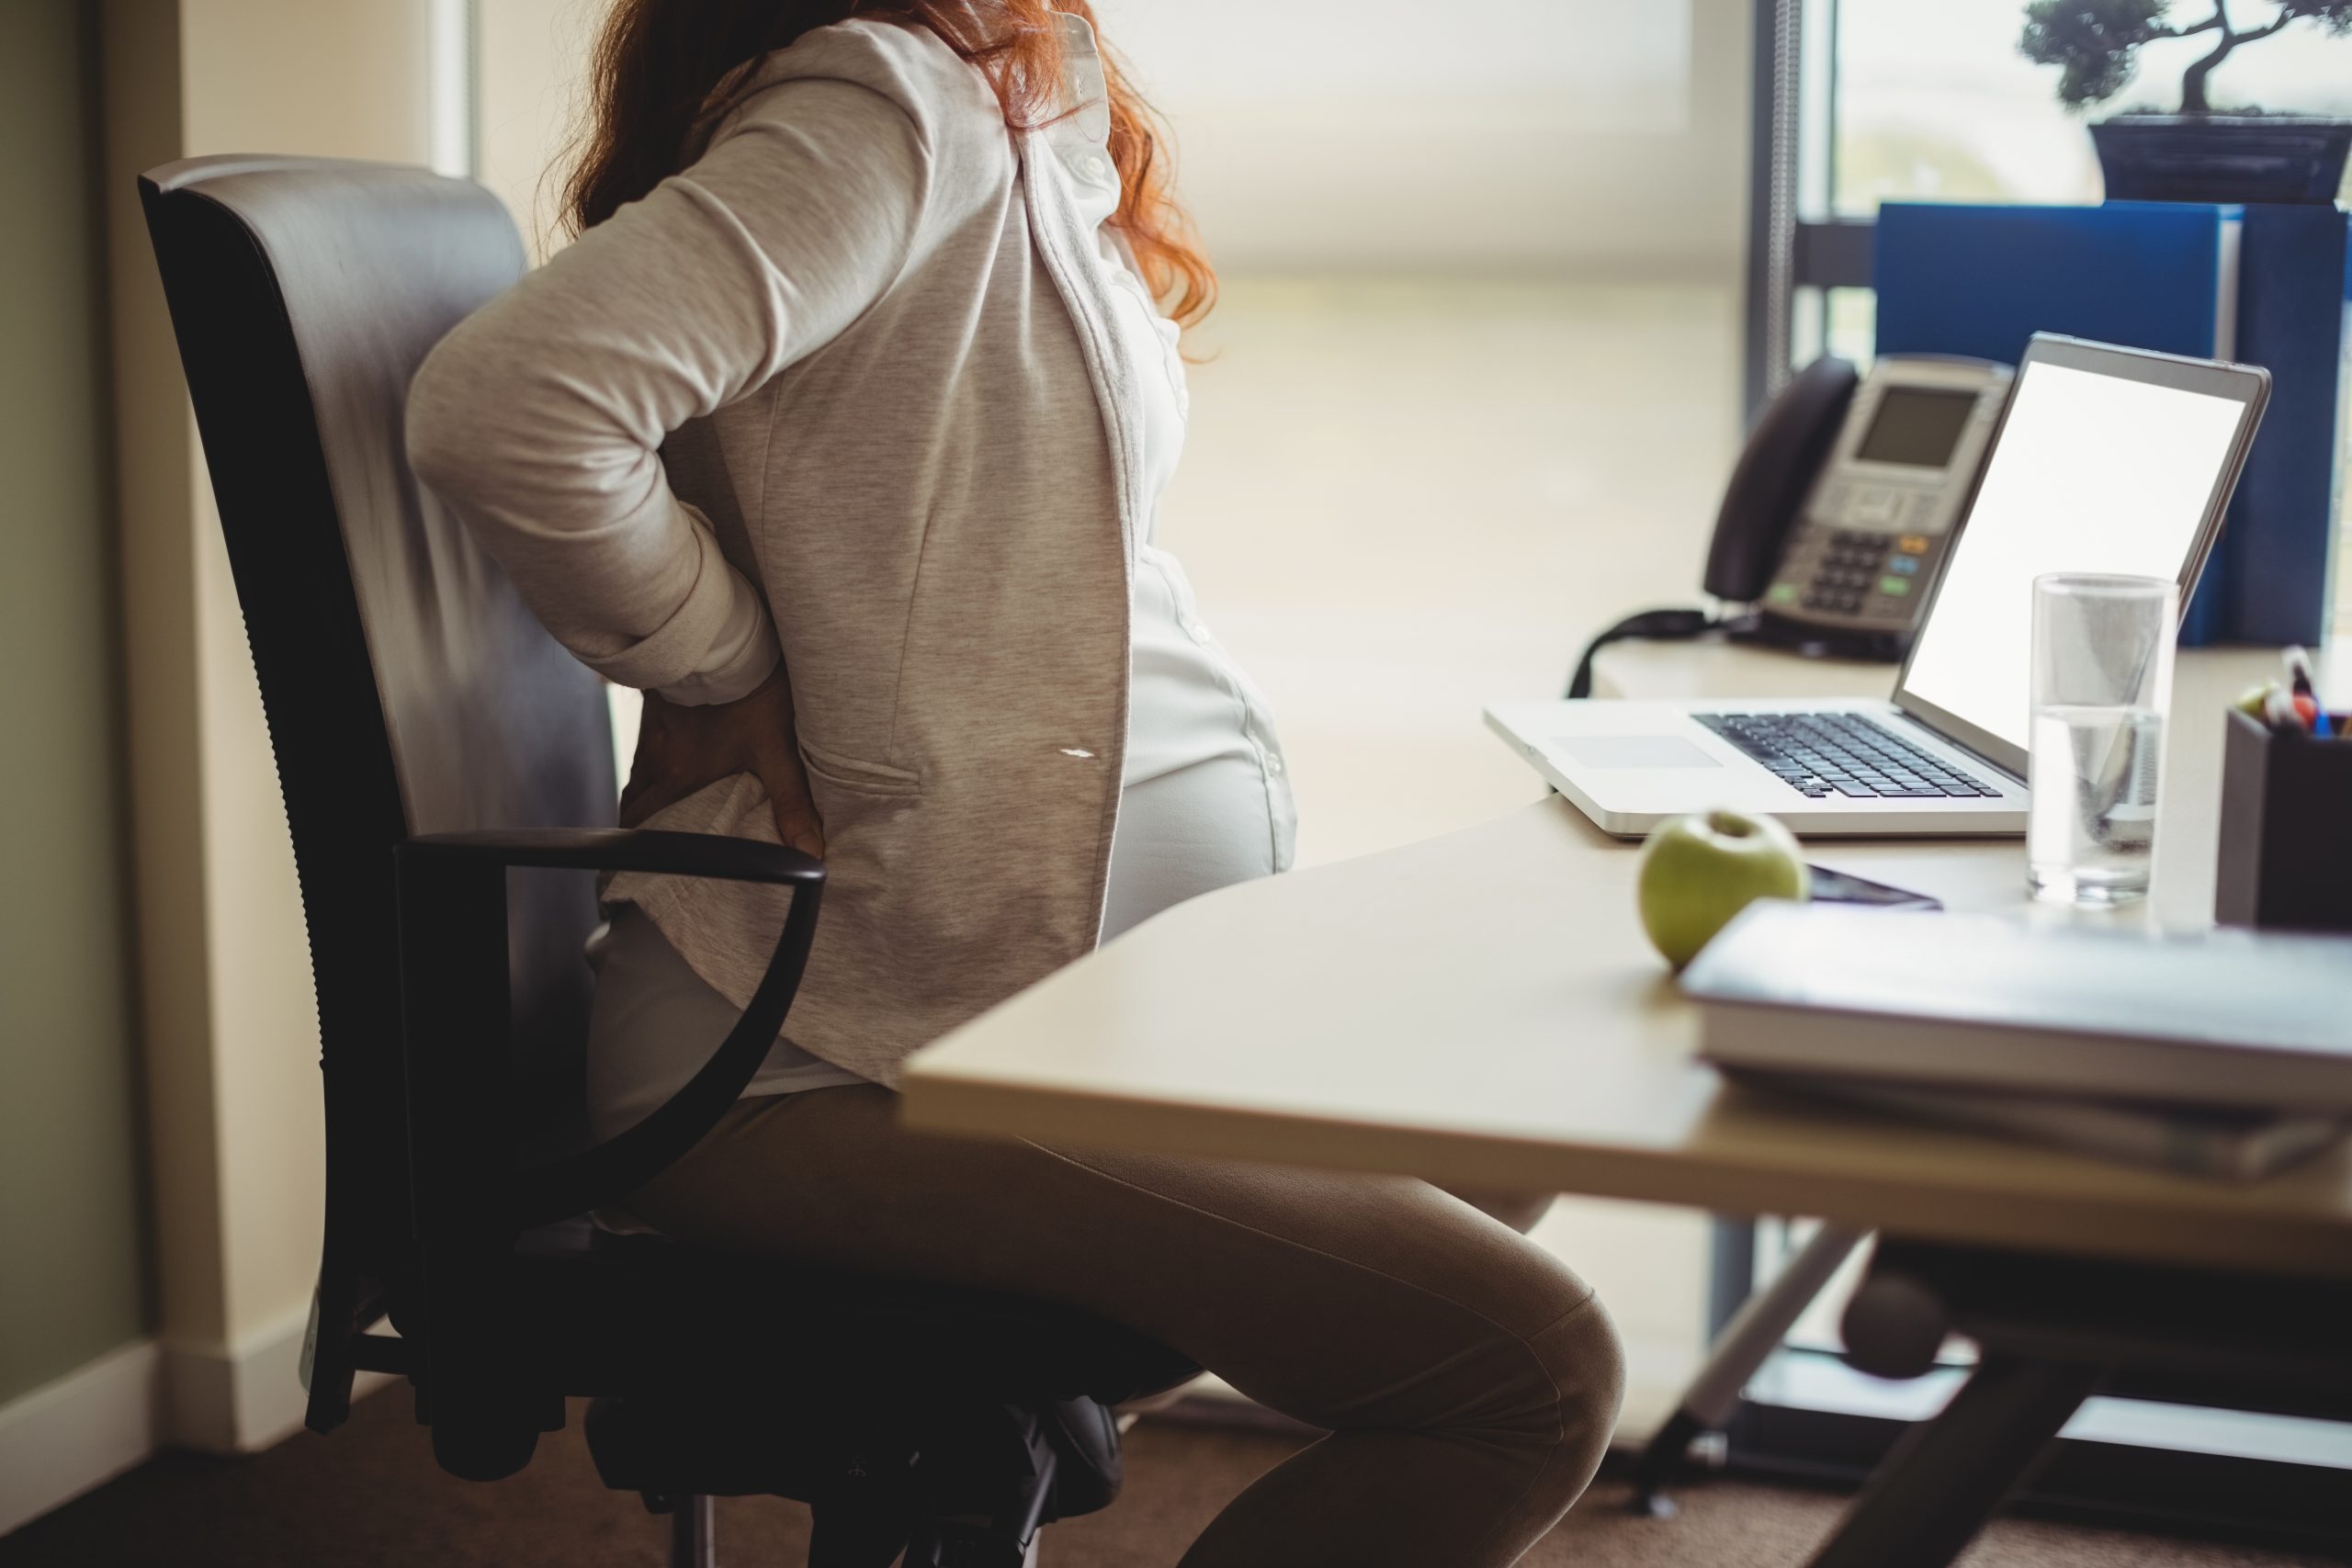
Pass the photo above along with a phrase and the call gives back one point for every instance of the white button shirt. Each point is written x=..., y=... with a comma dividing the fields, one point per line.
x=1205, y=800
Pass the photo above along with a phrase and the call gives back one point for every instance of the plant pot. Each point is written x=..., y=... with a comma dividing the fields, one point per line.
x=2272, y=158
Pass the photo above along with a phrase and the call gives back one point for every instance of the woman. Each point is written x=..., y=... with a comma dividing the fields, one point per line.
x=841, y=431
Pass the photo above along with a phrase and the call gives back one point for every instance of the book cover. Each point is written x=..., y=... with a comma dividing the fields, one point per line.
x=2227, y=1145
x=2255, y=1020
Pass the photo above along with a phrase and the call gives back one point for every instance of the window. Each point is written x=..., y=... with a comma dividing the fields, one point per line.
x=1935, y=103
x=1861, y=102
x=1867, y=101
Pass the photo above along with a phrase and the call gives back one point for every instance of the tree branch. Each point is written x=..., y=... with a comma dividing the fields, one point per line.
x=2193, y=96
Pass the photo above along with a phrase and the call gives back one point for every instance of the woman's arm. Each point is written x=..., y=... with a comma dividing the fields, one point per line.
x=540, y=418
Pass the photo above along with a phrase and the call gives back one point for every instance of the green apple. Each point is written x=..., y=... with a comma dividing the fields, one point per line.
x=1698, y=872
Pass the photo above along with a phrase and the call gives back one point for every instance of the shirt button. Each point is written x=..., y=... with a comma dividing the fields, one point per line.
x=1196, y=631
x=1095, y=168
x=1273, y=764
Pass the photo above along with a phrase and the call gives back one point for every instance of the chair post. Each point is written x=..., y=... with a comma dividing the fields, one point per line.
x=694, y=1541
x=486, y=1412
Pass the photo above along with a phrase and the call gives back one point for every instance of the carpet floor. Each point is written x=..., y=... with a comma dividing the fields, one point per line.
x=370, y=1497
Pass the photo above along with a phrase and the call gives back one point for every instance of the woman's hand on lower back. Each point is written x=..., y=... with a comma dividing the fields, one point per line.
x=682, y=749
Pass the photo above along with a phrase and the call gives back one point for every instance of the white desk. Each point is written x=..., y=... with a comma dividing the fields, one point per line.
x=1481, y=1007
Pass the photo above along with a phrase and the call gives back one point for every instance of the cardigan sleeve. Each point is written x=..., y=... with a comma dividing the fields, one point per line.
x=540, y=419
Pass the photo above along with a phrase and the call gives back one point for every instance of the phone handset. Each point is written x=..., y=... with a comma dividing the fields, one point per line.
x=1786, y=451
x=1841, y=510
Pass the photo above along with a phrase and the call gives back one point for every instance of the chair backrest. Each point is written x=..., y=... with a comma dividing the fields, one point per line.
x=407, y=687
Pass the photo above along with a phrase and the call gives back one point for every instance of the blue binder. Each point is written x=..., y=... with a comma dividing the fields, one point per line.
x=2269, y=286
x=2295, y=319
x=1981, y=280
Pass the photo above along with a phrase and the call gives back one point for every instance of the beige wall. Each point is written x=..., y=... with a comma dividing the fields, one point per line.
x=531, y=65
x=1351, y=135
x=231, y=1037
x=1395, y=136
x=1614, y=150
x=1328, y=138
x=70, y=1167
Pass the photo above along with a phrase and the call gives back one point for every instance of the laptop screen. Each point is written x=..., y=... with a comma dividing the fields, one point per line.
x=2091, y=472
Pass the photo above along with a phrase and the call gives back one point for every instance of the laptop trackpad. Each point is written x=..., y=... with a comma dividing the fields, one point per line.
x=1635, y=751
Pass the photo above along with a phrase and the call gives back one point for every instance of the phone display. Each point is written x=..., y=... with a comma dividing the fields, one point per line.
x=1918, y=427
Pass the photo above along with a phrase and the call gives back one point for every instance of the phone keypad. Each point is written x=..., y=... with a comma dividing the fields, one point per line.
x=1850, y=569
x=1864, y=577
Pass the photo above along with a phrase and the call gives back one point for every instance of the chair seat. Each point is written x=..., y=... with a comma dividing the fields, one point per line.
x=631, y=1315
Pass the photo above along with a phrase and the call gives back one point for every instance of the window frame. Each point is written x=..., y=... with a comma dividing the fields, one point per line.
x=1797, y=242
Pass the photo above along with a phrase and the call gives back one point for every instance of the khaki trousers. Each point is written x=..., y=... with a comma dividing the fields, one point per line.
x=1470, y=1382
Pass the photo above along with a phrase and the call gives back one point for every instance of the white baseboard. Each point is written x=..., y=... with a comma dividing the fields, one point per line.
x=97, y=1421
x=235, y=1399
x=79, y=1432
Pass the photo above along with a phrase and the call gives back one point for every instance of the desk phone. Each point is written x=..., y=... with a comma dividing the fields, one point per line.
x=1874, y=530
x=1841, y=510
x=1843, y=506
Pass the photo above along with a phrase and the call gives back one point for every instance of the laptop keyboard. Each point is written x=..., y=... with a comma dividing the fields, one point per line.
x=1823, y=754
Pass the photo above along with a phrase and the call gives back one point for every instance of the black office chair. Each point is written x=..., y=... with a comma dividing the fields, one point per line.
x=431, y=739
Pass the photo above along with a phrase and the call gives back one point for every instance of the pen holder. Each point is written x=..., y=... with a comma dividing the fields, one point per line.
x=2286, y=858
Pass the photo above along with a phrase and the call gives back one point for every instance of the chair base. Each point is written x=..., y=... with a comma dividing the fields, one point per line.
x=694, y=1541
x=693, y=1534
x=959, y=1484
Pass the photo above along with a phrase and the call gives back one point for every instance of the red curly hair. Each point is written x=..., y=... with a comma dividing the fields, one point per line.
x=661, y=66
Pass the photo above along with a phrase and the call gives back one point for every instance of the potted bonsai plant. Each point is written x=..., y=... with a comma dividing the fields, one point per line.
x=2195, y=155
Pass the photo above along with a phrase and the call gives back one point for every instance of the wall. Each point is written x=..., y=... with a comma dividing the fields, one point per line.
x=1348, y=143
x=1505, y=142
x=1369, y=135
x=262, y=73
x=69, y=1166
x=231, y=1040
x=118, y=612
x=1353, y=135
x=74, y=1310
x=531, y=63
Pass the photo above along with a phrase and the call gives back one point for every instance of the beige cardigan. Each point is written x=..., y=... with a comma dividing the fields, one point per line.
x=843, y=387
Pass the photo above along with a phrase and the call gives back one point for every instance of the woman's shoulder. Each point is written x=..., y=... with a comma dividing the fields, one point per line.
x=908, y=64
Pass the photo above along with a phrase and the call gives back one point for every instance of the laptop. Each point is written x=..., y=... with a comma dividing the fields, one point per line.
x=2106, y=459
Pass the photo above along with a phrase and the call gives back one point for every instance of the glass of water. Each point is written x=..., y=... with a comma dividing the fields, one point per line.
x=2102, y=679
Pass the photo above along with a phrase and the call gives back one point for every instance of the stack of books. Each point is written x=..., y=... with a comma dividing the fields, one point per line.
x=2225, y=1054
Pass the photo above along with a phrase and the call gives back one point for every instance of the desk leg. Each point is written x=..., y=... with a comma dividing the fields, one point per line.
x=1947, y=1476
x=1753, y=1334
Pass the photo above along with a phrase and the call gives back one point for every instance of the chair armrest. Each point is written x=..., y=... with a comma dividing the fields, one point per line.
x=627, y=849
x=452, y=891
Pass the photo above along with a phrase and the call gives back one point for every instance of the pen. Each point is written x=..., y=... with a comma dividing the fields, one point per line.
x=2300, y=682
x=2282, y=710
